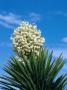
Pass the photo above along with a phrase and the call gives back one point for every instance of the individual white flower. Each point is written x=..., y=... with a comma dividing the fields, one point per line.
x=27, y=38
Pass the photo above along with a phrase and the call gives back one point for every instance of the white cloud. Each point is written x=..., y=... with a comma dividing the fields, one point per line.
x=5, y=44
x=10, y=19
x=64, y=39
x=65, y=67
x=35, y=17
x=58, y=51
x=4, y=24
x=61, y=13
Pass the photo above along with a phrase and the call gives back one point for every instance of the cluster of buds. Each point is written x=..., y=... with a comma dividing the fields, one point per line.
x=27, y=38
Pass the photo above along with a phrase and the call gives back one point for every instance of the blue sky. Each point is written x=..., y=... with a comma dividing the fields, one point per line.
x=49, y=15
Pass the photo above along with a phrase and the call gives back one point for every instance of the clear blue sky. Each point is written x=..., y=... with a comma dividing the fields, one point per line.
x=49, y=15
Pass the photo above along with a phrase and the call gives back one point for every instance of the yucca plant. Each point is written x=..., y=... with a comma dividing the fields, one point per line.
x=34, y=73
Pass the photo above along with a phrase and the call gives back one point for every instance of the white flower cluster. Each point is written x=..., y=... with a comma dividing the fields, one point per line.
x=27, y=38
